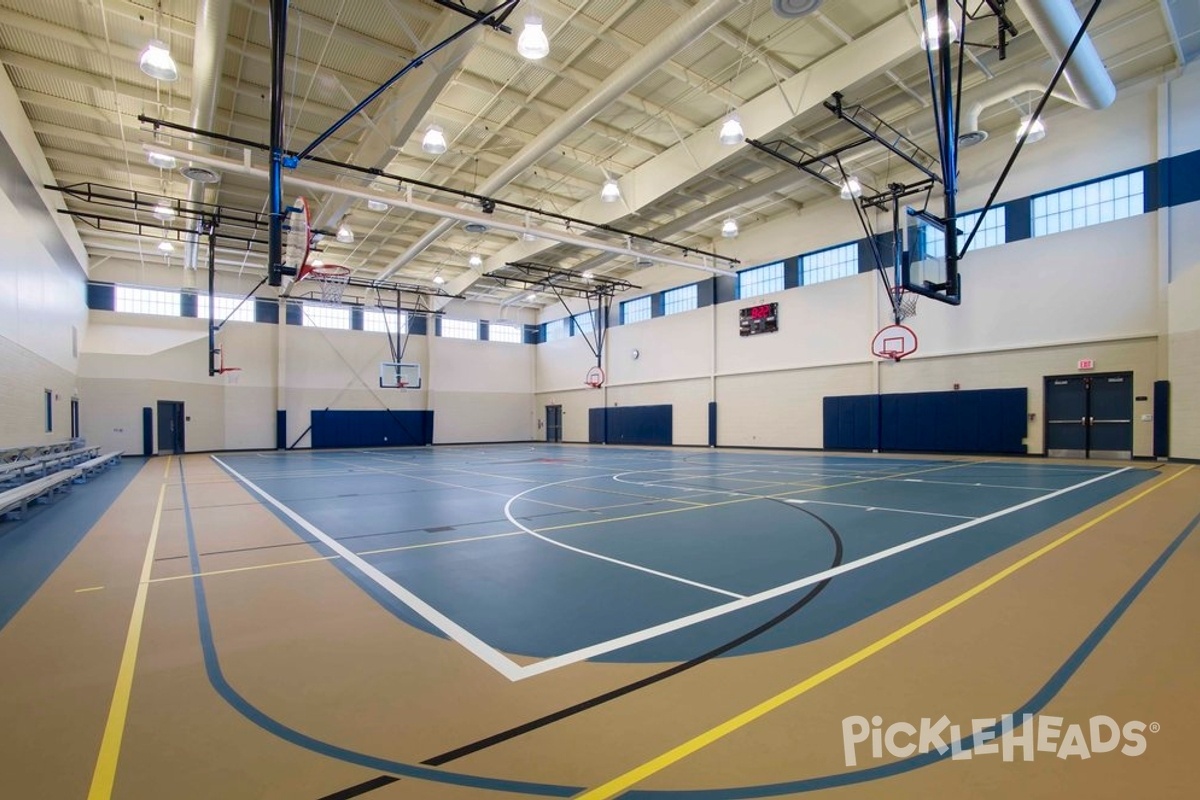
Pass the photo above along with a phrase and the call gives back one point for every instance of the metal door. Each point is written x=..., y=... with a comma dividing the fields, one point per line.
x=553, y=423
x=170, y=427
x=1066, y=417
x=1090, y=416
x=1111, y=417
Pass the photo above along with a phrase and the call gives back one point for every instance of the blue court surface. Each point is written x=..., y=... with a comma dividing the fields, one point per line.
x=564, y=553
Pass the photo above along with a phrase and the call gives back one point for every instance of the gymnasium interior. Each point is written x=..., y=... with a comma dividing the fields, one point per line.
x=713, y=399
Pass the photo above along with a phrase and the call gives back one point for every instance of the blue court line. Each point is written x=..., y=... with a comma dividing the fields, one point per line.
x=33, y=548
x=212, y=666
x=1032, y=706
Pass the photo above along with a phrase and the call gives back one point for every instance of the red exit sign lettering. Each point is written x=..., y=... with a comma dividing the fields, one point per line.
x=1087, y=363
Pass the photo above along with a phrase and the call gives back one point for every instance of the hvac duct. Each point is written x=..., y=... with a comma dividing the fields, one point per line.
x=212, y=28
x=1055, y=22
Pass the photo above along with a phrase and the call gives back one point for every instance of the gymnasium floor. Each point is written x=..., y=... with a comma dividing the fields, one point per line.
x=563, y=621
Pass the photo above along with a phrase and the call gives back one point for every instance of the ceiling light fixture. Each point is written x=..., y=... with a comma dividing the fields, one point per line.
x=475, y=261
x=162, y=160
x=533, y=43
x=317, y=263
x=344, y=234
x=729, y=228
x=439, y=280
x=930, y=37
x=163, y=211
x=377, y=205
x=156, y=62
x=166, y=247
x=731, y=131
x=610, y=192
x=434, y=142
x=531, y=298
x=1037, y=129
x=850, y=188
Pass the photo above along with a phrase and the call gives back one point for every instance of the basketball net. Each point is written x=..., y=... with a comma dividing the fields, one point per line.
x=904, y=303
x=331, y=281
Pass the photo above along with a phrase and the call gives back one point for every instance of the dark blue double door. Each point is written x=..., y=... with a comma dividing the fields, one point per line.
x=1090, y=416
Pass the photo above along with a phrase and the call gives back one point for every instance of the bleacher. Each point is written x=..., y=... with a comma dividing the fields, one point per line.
x=39, y=473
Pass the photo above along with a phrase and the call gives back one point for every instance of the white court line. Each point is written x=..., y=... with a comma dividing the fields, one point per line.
x=514, y=672
x=678, y=579
x=480, y=649
x=584, y=653
x=973, y=485
x=878, y=508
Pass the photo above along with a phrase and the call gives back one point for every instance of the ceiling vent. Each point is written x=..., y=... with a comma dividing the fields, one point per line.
x=200, y=174
x=791, y=9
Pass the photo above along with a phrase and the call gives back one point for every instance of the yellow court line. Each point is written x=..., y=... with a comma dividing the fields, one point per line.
x=329, y=558
x=105, y=772
x=776, y=496
x=641, y=773
x=242, y=569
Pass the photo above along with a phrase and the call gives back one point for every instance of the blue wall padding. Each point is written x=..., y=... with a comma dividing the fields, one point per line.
x=646, y=425
x=1162, y=419
x=852, y=423
x=976, y=421
x=371, y=428
x=712, y=424
x=147, y=432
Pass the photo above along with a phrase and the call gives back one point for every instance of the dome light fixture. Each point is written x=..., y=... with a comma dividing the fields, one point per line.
x=851, y=188
x=156, y=62
x=1036, y=128
x=731, y=131
x=533, y=44
x=163, y=211
x=610, y=192
x=434, y=142
x=729, y=228
x=344, y=234
x=166, y=247
x=161, y=160
x=438, y=279
x=931, y=35
x=475, y=261
x=377, y=205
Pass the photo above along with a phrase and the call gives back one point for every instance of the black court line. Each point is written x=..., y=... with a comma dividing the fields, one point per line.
x=629, y=688
x=358, y=790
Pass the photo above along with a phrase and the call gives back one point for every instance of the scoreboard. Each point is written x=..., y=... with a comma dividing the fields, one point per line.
x=759, y=319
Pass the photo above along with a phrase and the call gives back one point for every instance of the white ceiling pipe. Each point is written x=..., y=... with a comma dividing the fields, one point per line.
x=970, y=133
x=208, y=56
x=1056, y=23
x=686, y=30
x=451, y=213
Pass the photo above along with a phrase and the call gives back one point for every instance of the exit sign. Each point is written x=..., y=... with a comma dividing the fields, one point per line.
x=1087, y=363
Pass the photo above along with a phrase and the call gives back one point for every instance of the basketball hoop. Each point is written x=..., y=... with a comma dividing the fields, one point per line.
x=330, y=278
x=595, y=378
x=230, y=372
x=298, y=241
x=894, y=342
x=904, y=303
